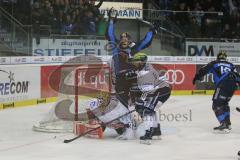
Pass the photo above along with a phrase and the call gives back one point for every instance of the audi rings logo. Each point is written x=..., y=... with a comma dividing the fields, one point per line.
x=175, y=76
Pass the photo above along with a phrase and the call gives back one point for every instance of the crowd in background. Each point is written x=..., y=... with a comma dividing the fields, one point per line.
x=210, y=24
x=69, y=17
x=77, y=17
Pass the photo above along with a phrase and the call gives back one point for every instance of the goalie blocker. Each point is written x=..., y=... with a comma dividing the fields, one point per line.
x=93, y=126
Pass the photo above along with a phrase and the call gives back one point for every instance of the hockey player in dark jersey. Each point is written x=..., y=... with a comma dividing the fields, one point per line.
x=225, y=80
x=123, y=49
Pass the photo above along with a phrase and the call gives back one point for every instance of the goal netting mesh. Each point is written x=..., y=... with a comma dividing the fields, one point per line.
x=78, y=85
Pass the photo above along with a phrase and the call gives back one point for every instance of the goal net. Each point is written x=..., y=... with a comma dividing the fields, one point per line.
x=78, y=85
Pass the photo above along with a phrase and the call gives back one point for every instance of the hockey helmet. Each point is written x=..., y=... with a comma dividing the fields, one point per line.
x=125, y=34
x=222, y=55
x=125, y=40
x=140, y=57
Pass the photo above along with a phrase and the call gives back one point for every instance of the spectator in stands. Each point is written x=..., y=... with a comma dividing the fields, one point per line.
x=95, y=8
x=46, y=12
x=165, y=4
x=102, y=26
x=211, y=23
x=36, y=13
x=93, y=3
x=195, y=28
x=61, y=4
x=225, y=7
x=227, y=32
x=79, y=27
x=96, y=13
x=67, y=26
x=86, y=13
x=198, y=12
x=182, y=18
x=237, y=30
x=89, y=22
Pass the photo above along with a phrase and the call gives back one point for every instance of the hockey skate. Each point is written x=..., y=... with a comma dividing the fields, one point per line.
x=222, y=129
x=157, y=133
x=229, y=123
x=147, y=138
x=229, y=127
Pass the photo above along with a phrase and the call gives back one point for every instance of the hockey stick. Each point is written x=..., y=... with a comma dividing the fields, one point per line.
x=159, y=27
x=145, y=22
x=103, y=124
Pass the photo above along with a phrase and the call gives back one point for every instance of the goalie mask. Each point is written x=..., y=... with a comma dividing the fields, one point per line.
x=100, y=102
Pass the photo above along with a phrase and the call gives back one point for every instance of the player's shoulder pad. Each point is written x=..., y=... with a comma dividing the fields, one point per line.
x=210, y=64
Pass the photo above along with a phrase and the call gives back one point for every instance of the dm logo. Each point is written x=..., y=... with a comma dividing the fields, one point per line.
x=195, y=50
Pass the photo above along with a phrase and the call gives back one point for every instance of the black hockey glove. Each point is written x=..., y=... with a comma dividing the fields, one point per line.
x=154, y=28
x=112, y=15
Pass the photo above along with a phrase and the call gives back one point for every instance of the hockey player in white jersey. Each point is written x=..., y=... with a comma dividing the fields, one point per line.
x=149, y=93
x=107, y=108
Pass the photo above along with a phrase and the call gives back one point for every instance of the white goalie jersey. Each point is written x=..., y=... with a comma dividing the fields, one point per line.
x=110, y=110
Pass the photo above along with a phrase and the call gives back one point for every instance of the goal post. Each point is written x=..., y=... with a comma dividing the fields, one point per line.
x=91, y=81
x=78, y=84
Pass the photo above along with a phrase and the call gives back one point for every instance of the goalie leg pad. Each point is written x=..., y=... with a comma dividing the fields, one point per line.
x=81, y=128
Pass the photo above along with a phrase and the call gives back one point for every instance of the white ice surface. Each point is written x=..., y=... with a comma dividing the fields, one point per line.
x=191, y=140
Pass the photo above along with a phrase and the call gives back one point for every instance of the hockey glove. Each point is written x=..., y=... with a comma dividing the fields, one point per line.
x=112, y=15
x=154, y=28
